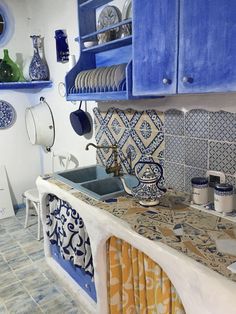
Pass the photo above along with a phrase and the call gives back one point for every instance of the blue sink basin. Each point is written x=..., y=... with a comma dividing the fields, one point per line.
x=95, y=182
x=84, y=174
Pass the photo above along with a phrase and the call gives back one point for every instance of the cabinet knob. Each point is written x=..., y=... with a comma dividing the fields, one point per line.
x=187, y=79
x=166, y=81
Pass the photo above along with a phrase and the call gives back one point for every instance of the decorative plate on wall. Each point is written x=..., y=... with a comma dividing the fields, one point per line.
x=7, y=115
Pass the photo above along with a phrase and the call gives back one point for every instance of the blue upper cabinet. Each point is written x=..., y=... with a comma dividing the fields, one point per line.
x=155, y=36
x=207, y=47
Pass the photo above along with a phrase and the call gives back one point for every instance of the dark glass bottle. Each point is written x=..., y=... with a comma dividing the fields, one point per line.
x=9, y=70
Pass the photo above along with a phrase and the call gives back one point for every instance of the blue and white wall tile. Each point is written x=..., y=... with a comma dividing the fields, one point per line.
x=222, y=157
x=174, y=176
x=197, y=124
x=175, y=149
x=196, y=152
x=222, y=126
x=186, y=144
x=174, y=122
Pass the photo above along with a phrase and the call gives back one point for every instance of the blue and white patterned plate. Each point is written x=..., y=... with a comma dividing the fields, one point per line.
x=7, y=115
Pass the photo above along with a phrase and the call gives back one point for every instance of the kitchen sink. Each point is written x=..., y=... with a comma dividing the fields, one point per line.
x=95, y=182
x=84, y=174
x=108, y=187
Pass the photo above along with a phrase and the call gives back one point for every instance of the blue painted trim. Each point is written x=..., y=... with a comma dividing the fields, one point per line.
x=121, y=42
x=9, y=24
x=93, y=3
x=26, y=85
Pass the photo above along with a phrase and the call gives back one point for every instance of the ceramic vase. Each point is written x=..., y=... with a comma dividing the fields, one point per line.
x=9, y=70
x=38, y=69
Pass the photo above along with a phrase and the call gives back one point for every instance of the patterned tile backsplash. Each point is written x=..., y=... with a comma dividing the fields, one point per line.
x=186, y=144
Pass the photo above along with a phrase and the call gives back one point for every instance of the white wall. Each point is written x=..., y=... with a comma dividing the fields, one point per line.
x=20, y=158
x=46, y=18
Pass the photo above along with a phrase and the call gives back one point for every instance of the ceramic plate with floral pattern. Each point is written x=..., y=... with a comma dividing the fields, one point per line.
x=7, y=115
x=109, y=16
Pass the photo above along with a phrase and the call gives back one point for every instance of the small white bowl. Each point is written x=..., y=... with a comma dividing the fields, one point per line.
x=88, y=44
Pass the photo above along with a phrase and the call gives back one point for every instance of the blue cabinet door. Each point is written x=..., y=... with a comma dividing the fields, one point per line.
x=207, y=47
x=155, y=36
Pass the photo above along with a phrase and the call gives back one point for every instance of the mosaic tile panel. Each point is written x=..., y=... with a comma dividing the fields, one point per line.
x=196, y=153
x=137, y=134
x=175, y=149
x=222, y=126
x=196, y=140
x=196, y=123
x=222, y=157
x=174, y=122
x=174, y=176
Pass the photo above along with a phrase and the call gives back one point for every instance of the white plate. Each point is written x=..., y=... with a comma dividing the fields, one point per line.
x=127, y=10
x=119, y=75
x=104, y=77
x=100, y=74
x=109, y=16
x=112, y=78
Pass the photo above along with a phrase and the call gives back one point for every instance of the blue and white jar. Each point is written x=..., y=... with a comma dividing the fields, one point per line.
x=199, y=190
x=224, y=198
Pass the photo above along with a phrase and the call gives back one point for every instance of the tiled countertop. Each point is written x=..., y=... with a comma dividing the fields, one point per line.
x=199, y=230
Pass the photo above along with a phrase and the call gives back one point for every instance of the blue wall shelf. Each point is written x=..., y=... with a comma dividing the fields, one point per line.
x=26, y=85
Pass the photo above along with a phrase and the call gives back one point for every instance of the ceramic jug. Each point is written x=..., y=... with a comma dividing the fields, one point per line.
x=147, y=192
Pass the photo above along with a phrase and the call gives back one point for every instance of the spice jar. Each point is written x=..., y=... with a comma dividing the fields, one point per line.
x=200, y=190
x=224, y=198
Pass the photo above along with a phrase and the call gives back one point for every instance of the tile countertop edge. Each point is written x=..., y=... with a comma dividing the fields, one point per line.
x=199, y=287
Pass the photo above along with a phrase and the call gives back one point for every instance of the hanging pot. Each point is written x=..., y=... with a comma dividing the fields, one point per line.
x=40, y=124
x=80, y=121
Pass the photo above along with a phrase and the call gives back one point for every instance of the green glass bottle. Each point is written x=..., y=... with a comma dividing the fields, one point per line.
x=9, y=70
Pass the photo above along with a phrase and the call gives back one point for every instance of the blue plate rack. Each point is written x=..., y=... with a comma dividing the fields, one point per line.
x=114, y=52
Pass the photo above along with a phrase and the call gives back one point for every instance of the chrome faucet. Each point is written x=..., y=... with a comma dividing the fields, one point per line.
x=116, y=169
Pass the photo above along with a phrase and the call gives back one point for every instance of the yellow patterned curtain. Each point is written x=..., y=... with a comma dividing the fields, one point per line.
x=136, y=284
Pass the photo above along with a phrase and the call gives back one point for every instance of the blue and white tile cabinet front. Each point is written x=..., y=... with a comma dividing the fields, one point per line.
x=191, y=40
x=207, y=46
x=155, y=36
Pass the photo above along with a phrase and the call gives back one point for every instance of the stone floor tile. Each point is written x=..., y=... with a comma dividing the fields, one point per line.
x=60, y=305
x=32, y=247
x=36, y=283
x=25, y=273
x=23, y=306
x=4, y=268
x=13, y=253
x=3, y=309
x=19, y=262
x=28, y=271
x=44, y=294
x=35, y=256
x=15, y=290
x=6, y=279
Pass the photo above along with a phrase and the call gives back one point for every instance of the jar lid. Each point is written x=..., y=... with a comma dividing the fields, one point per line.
x=224, y=187
x=199, y=180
